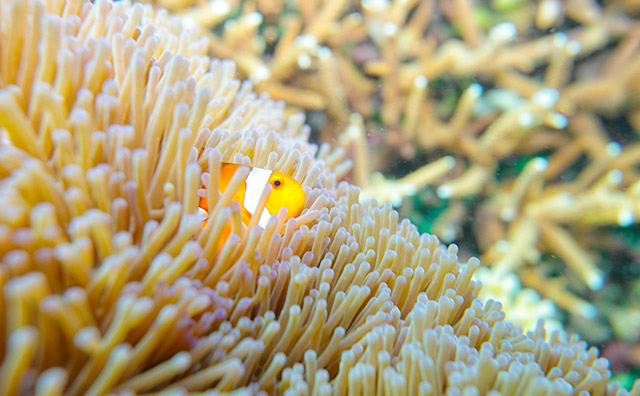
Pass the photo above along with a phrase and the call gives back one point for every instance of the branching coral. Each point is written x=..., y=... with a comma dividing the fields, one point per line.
x=112, y=118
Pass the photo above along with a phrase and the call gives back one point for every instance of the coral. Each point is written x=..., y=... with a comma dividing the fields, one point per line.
x=522, y=306
x=112, y=118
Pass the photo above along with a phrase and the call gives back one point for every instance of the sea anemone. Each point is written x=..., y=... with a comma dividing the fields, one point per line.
x=113, y=117
x=509, y=127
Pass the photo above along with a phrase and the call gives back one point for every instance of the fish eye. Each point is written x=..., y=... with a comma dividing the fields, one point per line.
x=277, y=183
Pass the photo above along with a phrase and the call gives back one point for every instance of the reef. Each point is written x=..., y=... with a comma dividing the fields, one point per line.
x=112, y=118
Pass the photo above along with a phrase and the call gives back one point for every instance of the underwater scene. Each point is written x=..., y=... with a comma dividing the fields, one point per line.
x=320, y=197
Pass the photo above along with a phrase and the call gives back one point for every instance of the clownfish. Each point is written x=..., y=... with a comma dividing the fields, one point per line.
x=285, y=192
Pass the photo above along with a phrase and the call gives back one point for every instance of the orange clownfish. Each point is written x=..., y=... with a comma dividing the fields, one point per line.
x=285, y=192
